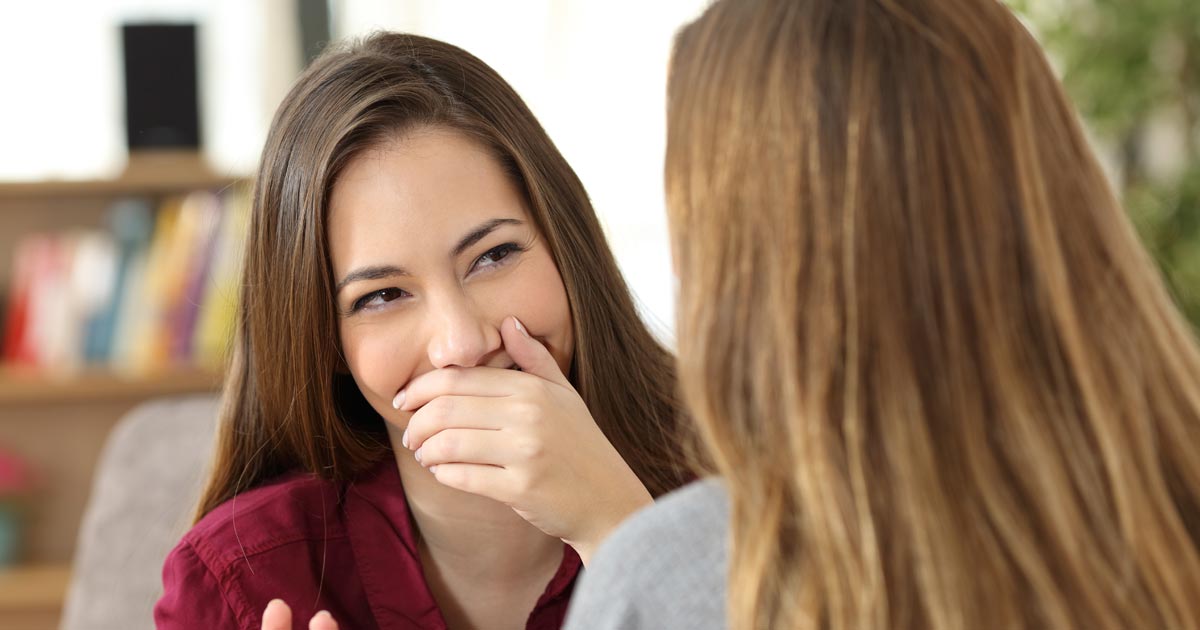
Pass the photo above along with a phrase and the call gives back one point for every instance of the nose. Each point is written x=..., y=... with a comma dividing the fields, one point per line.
x=461, y=335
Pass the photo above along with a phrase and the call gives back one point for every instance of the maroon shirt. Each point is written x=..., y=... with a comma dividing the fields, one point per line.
x=294, y=539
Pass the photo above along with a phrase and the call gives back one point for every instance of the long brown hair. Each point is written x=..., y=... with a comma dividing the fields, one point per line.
x=287, y=406
x=941, y=377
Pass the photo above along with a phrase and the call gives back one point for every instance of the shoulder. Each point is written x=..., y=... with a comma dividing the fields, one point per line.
x=294, y=507
x=697, y=513
x=670, y=556
x=259, y=533
x=682, y=527
x=285, y=514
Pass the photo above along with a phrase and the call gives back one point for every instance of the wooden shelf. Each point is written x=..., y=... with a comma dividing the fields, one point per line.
x=148, y=173
x=24, y=387
x=50, y=190
x=33, y=587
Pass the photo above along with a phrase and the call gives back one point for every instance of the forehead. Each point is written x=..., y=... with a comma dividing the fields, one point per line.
x=418, y=190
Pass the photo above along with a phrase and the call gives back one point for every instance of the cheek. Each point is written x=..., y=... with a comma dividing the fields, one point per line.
x=377, y=362
x=545, y=311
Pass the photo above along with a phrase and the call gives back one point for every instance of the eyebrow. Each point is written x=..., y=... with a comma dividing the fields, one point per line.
x=378, y=272
x=374, y=272
x=478, y=233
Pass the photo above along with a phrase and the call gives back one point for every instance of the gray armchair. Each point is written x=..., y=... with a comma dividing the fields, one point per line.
x=145, y=488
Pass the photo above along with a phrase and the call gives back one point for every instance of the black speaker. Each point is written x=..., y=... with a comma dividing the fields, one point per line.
x=161, y=95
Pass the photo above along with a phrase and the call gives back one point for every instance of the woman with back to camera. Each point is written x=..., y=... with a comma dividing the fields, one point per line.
x=441, y=396
x=939, y=381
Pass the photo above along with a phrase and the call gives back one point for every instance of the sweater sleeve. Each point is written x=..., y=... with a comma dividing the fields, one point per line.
x=193, y=597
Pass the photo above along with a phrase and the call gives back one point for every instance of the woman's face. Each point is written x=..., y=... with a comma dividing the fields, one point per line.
x=432, y=247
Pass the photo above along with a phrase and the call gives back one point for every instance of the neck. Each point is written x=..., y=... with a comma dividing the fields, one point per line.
x=472, y=536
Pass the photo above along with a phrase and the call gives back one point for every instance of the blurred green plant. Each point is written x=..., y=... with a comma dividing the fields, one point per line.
x=1132, y=67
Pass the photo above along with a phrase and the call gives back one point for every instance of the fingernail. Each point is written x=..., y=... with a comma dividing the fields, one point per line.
x=398, y=401
x=404, y=439
x=323, y=613
x=521, y=327
x=433, y=469
x=418, y=455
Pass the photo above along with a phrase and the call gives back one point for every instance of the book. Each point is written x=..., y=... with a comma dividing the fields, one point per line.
x=130, y=222
x=203, y=209
x=50, y=305
x=91, y=280
x=16, y=348
x=213, y=335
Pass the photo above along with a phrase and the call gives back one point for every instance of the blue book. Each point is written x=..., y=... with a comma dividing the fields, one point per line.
x=131, y=222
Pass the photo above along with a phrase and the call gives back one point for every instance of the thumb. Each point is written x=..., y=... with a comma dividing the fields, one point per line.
x=529, y=354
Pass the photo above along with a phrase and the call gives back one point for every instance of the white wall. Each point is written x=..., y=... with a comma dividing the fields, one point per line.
x=593, y=71
x=62, y=111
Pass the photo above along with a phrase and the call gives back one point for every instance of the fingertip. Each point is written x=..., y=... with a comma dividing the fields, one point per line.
x=277, y=615
x=322, y=621
x=520, y=327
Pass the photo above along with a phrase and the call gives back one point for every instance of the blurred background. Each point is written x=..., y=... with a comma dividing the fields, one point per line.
x=129, y=130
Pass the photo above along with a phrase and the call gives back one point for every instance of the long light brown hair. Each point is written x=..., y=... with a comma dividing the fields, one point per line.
x=287, y=405
x=941, y=377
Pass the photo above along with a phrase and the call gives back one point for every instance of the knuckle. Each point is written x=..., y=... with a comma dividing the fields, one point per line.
x=433, y=415
x=531, y=448
x=455, y=477
x=446, y=446
x=523, y=484
x=530, y=412
x=444, y=408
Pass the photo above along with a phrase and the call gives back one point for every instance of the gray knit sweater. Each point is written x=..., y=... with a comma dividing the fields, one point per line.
x=664, y=568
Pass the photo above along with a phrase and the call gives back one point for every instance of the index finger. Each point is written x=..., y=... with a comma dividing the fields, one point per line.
x=451, y=412
x=487, y=382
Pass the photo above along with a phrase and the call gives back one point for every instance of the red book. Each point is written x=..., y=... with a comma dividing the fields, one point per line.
x=17, y=348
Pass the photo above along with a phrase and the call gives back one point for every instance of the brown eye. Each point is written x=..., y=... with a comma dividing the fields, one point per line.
x=496, y=254
x=378, y=298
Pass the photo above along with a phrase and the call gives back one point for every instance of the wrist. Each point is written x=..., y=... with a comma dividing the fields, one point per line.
x=586, y=546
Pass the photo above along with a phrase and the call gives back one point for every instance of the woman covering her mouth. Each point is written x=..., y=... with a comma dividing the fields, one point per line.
x=441, y=397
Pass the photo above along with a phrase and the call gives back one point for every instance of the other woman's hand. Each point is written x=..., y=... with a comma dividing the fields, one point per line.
x=278, y=616
x=526, y=439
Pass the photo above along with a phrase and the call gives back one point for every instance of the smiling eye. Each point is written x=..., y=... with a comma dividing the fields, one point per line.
x=377, y=298
x=495, y=255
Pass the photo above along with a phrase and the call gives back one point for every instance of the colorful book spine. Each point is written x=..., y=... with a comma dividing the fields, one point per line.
x=155, y=290
x=206, y=208
x=130, y=221
x=16, y=343
x=213, y=335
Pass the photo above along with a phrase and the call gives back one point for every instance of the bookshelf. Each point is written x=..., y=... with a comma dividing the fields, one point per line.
x=56, y=191
x=28, y=207
x=19, y=387
x=58, y=420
